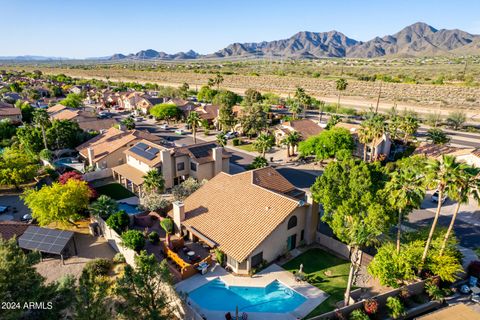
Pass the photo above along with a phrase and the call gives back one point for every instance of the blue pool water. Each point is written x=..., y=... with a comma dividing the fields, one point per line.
x=275, y=297
x=128, y=208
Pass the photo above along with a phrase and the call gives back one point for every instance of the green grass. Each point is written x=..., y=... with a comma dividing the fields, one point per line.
x=115, y=191
x=477, y=251
x=317, y=262
x=247, y=147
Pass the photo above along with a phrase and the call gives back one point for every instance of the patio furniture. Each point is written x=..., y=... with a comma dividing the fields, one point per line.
x=475, y=290
x=190, y=253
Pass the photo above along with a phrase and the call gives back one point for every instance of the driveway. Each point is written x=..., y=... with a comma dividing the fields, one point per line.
x=17, y=208
x=88, y=248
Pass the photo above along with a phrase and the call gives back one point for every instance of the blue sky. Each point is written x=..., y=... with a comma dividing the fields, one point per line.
x=86, y=28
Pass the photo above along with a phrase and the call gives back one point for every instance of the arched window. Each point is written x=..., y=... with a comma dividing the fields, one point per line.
x=292, y=222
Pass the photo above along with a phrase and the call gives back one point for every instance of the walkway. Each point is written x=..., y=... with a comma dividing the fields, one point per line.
x=274, y=272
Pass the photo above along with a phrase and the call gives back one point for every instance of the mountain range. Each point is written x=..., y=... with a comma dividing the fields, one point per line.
x=416, y=40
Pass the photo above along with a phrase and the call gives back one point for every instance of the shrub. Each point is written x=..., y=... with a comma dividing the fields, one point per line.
x=433, y=290
x=153, y=237
x=119, y=258
x=46, y=155
x=404, y=294
x=98, y=267
x=395, y=307
x=236, y=142
x=119, y=221
x=358, y=314
x=370, y=306
x=133, y=239
x=220, y=256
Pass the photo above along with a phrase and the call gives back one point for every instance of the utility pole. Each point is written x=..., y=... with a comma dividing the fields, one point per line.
x=378, y=98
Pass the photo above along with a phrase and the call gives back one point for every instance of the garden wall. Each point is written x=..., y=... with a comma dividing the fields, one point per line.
x=114, y=240
x=340, y=248
x=414, y=289
x=98, y=174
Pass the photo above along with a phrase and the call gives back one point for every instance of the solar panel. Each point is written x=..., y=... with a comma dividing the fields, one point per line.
x=142, y=153
x=153, y=150
x=202, y=151
x=45, y=240
x=142, y=146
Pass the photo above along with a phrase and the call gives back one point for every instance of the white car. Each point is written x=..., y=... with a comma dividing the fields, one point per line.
x=435, y=197
x=230, y=135
x=180, y=131
x=164, y=126
x=137, y=119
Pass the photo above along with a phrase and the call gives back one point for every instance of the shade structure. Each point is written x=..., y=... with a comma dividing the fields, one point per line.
x=45, y=240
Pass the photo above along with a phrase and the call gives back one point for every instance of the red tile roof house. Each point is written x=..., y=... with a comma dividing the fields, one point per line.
x=252, y=217
x=305, y=127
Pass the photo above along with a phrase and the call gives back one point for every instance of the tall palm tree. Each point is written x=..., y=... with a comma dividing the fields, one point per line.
x=409, y=124
x=222, y=139
x=291, y=141
x=153, y=181
x=377, y=129
x=263, y=143
x=365, y=137
x=440, y=174
x=42, y=120
x=194, y=121
x=406, y=191
x=467, y=184
x=321, y=108
x=294, y=107
x=341, y=85
x=129, y=123
x=303, y=99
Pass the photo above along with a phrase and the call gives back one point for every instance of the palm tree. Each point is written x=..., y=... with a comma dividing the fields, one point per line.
x=153, y=181
x=437, y=136
x=303, y=99
x=222, y=139
x=291, y=141
x=129, y=123
x=263, y=143
x=321, y=108
x=409, y=125
x=406, y=191
x=364, y=137
x=467, y=184
x=194, y=121
x=376, y=127
x=41, y=119
x=441, y=174
x=294, y=107
x=341, y=85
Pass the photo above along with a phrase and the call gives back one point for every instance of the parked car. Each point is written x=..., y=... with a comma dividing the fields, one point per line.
x=231, y=134
x=3, y=209
x=137, y=119
x=26, y=217
x=180, y=131
x=164, y=126
x=435, y=197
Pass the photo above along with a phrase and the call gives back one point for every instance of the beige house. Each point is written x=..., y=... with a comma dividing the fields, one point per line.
x=252, y=217
x=200, y=161
x=87, y=121
x=382, y=148
x=107, y=149
x=137, y=101
x=8, y=111
x=305, y=127
x=471, y=156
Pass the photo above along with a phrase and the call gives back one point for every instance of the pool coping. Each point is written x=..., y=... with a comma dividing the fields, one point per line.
x=313, y=295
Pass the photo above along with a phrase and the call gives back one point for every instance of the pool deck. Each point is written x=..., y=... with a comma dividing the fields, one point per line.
x=314, y=295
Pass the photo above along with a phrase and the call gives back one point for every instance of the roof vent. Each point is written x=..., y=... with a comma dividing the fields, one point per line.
x=301, y=203
x=268, y=208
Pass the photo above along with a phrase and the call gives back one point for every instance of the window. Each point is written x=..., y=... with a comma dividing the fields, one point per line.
x=292, y=223
x=257, y=259
x=302, y=235
x=193, y=166
x=181, y=166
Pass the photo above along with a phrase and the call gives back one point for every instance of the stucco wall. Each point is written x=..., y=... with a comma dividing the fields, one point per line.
x=137, y=164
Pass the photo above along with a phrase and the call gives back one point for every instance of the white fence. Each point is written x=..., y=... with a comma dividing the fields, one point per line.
x=115, y=241
x=99, y=174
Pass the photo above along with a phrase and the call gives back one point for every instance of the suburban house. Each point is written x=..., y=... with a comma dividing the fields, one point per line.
x=185, y=105
x=137, y=101
x=87, y=121
x=252, y=217
x=8, y=111
x=208, y=112
x=382, y=147
x=471, y=156
x=305, y=127
x=200, y=161
x=106, y=150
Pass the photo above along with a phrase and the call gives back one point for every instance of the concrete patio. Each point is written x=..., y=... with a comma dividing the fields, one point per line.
x=274, y=272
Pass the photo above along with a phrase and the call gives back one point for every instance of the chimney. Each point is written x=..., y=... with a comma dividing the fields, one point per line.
x=311, y=219
x=217, y=154
x=178, y=216
x=91, y=156
x=167, y=168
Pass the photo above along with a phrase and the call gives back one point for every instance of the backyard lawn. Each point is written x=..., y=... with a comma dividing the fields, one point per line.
x=115, y=191
x=247, y=147
x=332, y=271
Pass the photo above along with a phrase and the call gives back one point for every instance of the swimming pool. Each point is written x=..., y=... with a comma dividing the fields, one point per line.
x=129, y=208
x=274, y=298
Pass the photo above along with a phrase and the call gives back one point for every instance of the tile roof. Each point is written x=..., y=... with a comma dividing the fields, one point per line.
x=112, y=140
x=7, y=109
x=237, y=212
x=200, y=152
x=56, y=108
x=305, y=127
x=352, y=127
x=65, y=114
x=96, y=124
x=432, y=150
x=131, y=173
x=10, y=229
x=150, y=162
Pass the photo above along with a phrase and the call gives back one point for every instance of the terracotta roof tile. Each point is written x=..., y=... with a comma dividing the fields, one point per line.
x=10, y=229
x=305, y=127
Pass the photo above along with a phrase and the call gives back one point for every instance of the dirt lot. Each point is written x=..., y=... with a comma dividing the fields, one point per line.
x=88, y=248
